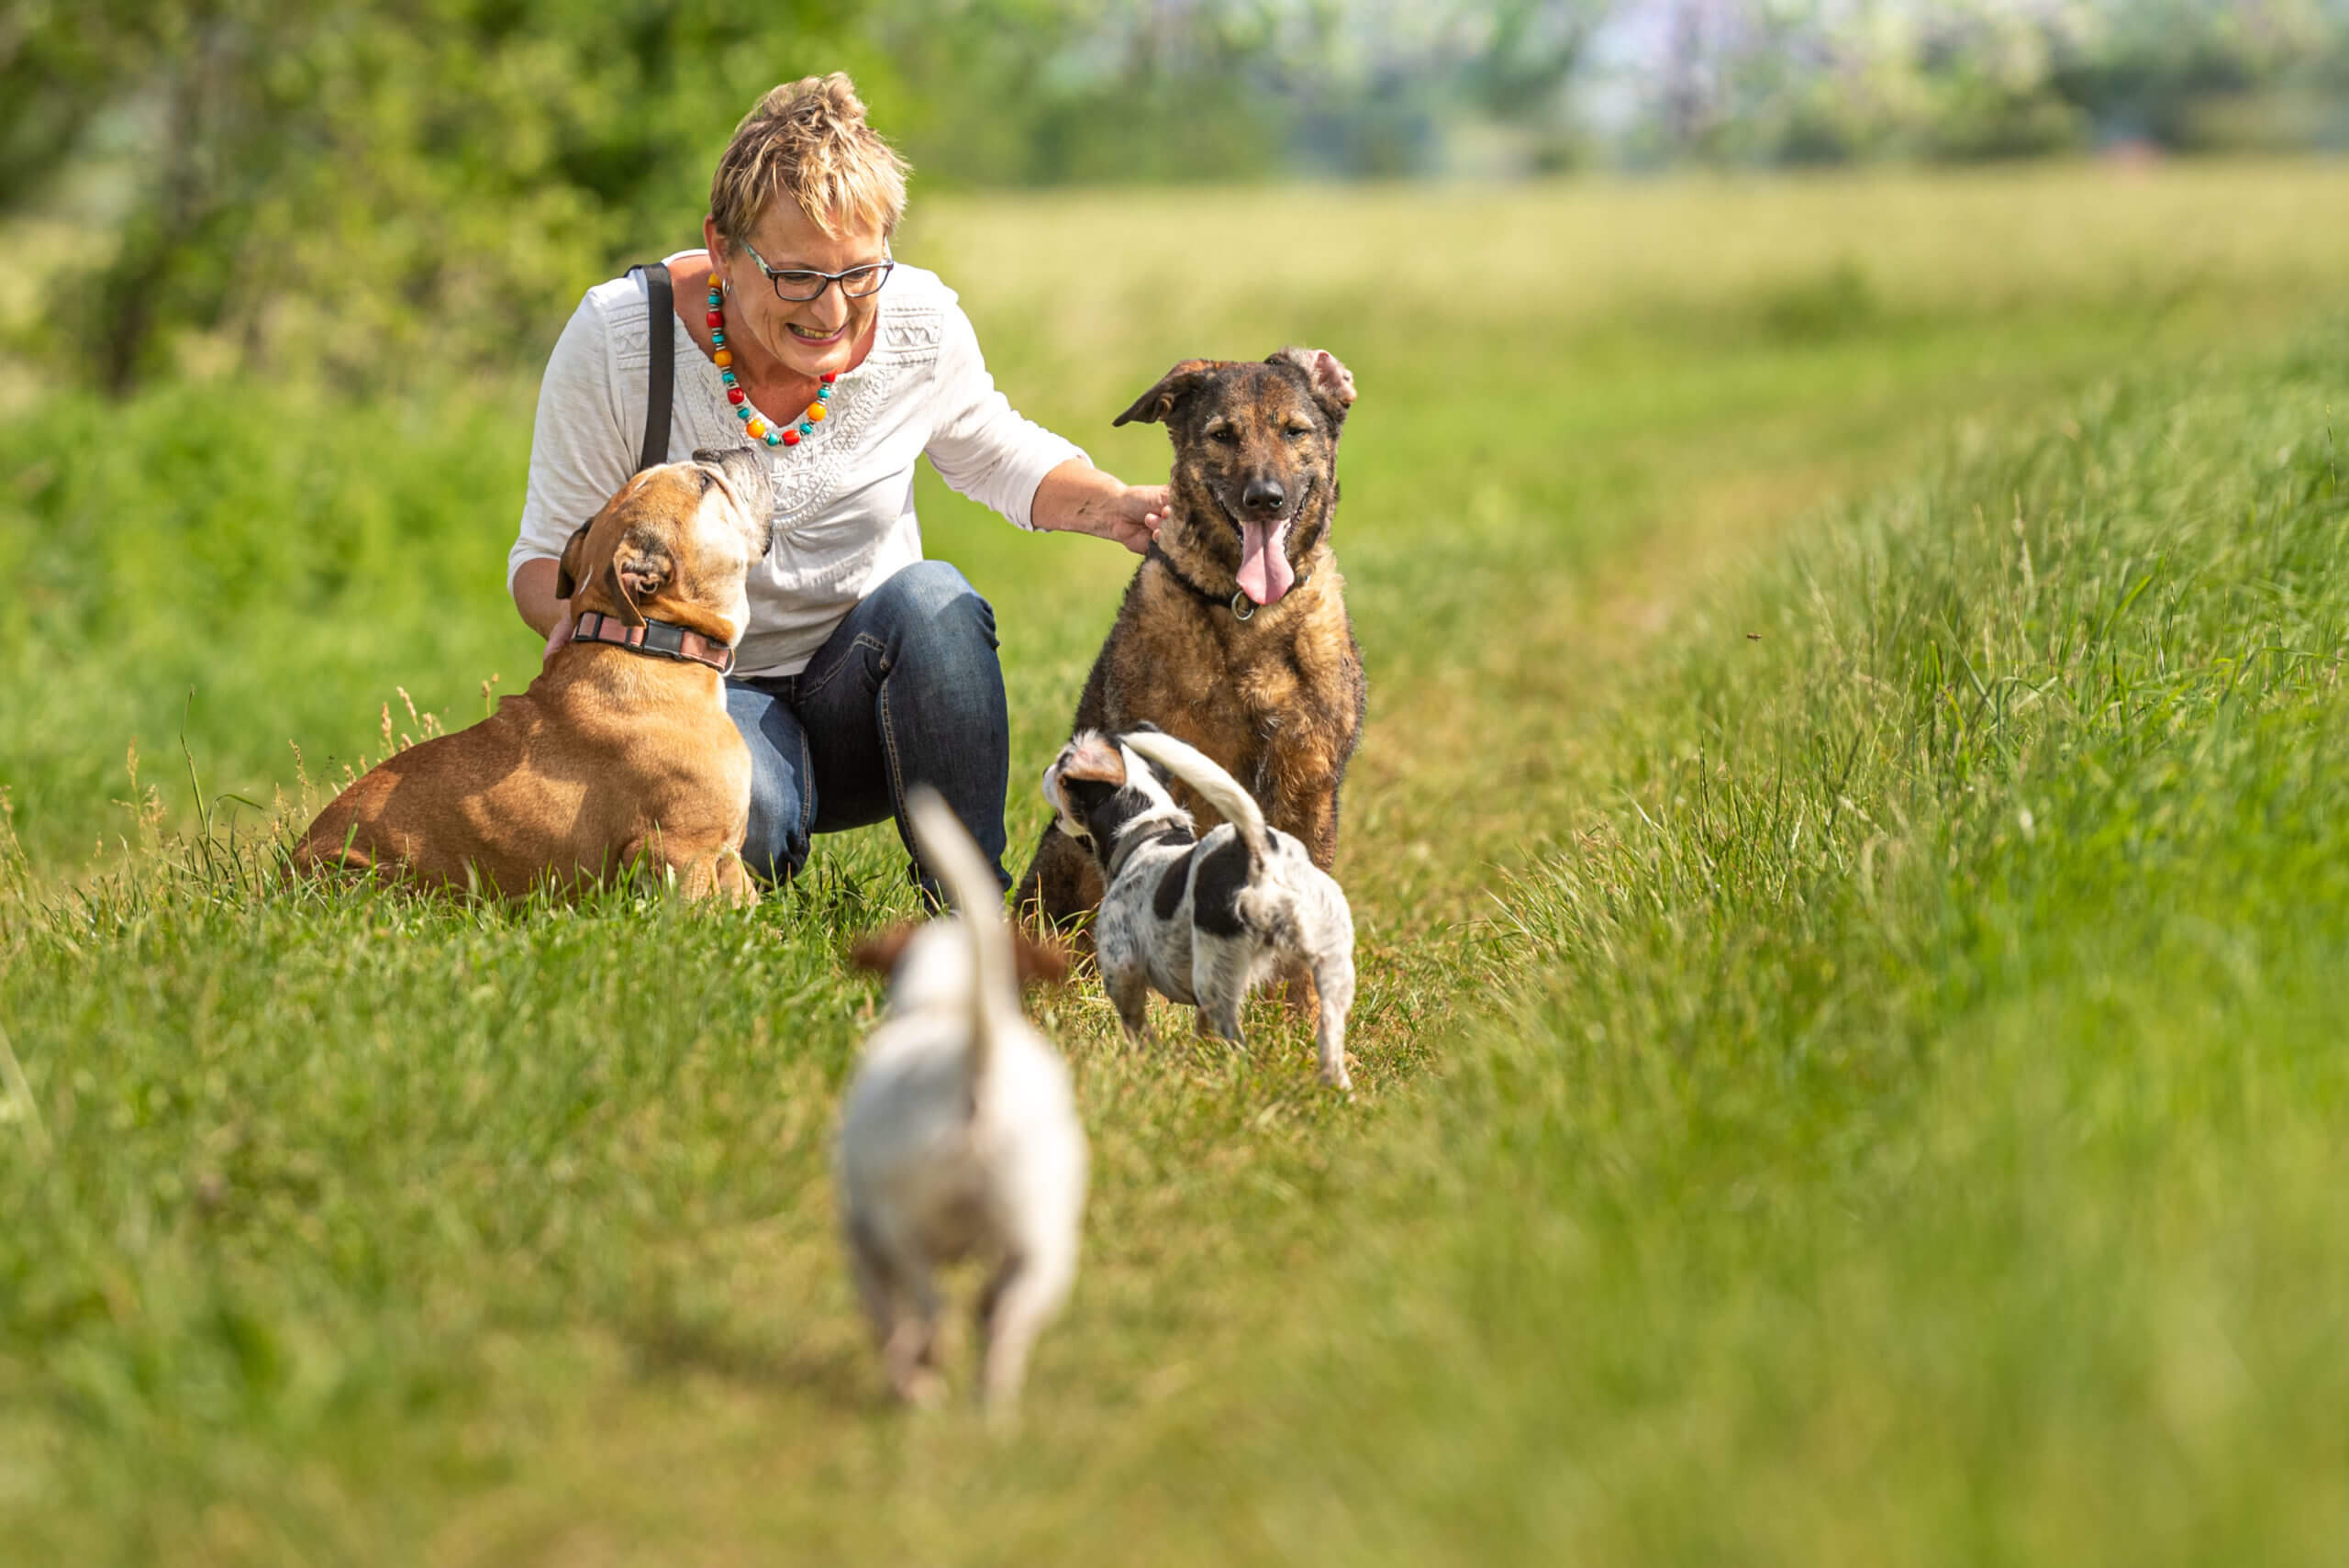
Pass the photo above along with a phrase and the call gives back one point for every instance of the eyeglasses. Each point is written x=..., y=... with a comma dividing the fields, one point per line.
x=797, y=286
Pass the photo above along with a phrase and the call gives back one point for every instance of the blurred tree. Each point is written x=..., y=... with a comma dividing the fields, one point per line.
x=54, y=63
x=1053, y=91
x=1528, y=50
x=1384, y=87
x=2158, y=68
x=1826, y=81
x=1780, y=81
x=358, y=187
x=348, y=185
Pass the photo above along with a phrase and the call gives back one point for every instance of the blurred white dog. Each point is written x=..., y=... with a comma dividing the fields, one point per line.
x=959, y=1137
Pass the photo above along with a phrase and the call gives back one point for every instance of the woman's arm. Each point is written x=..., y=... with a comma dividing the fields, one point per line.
x=1077, y=497
x=985, y=451
x=534, y=596
x=581, y=452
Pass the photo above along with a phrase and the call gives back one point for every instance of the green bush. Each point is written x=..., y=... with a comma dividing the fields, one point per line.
x=236, y=576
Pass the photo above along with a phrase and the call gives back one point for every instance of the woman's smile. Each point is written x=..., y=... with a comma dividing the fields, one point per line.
x=798, y=340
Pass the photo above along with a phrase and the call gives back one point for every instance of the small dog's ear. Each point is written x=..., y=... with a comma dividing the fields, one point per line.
x=1040, y=963
x=1331, y=383
x=1153, y=405
x=1091, y=757
x=567, y=569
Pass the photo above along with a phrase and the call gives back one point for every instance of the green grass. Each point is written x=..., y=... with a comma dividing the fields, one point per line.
x=1926, y=1137
x=1850, y=863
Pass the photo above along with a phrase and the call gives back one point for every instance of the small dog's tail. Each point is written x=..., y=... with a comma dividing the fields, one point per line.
x=1217, y=788
x=948, y=849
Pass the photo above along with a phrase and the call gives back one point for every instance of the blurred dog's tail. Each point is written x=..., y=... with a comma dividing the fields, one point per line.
x=1217, y=788
x=948, y=851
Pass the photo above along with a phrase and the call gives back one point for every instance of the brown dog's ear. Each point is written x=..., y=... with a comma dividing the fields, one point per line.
x=645, y=575
x=1040, y=963
x=1173, y=386
x=574, y=571
x=567, y=569
x=620, y=595
x=880, y=952
x=1332, y=384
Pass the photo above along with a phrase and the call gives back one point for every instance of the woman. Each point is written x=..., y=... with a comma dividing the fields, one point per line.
x=865, y=669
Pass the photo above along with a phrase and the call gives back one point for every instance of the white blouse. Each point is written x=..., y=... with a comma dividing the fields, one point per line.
x=843, y=497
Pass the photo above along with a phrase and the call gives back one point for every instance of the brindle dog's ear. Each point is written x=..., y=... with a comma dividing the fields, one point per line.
x=567, y=569
x=1153, y=405
x=1332, y=384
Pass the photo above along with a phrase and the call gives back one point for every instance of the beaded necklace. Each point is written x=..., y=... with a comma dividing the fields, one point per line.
x=753, y=425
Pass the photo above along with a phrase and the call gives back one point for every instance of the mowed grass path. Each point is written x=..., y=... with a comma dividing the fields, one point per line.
x=1847, y=1063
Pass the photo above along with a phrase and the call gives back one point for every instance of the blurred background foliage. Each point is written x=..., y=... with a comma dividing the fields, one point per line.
x=334, y=195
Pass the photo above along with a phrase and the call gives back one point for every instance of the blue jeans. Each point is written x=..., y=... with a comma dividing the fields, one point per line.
x=907, y=690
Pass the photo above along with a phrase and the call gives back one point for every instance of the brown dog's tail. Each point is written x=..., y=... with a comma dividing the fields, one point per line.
x=1217, y=788
x=948, y=851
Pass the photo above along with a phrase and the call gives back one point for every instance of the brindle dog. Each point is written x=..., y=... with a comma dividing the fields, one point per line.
x=1233, y=635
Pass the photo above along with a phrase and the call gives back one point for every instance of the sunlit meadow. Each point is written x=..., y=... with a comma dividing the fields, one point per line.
x=1848, y=856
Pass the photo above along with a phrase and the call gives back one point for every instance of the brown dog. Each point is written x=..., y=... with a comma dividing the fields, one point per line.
x=620, y=754
x=1233, y=635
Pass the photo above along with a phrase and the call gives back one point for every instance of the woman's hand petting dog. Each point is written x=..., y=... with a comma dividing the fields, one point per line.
x=1133, y=519
x=1080, y=499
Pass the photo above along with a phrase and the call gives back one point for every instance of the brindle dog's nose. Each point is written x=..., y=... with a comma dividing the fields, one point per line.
x=1264, y=495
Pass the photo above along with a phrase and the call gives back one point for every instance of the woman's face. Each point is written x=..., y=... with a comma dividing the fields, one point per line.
x=810, y=337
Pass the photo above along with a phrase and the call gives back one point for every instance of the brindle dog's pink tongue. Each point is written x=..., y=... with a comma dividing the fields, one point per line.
x=1264, y=572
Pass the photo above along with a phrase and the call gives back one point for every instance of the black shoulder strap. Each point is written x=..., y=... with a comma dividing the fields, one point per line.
x=660, y=394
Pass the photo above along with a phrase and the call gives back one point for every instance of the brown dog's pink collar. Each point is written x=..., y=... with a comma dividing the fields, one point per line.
x=657, y=638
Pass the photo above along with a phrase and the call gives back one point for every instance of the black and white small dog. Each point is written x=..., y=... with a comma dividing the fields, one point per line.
x=959, y=1137
x=1202, y=921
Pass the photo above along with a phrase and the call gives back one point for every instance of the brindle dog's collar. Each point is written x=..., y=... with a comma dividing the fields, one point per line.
x=655, y=639
x=1242, y=607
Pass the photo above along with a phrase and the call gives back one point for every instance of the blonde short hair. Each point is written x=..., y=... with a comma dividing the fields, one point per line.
x=807, y=141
